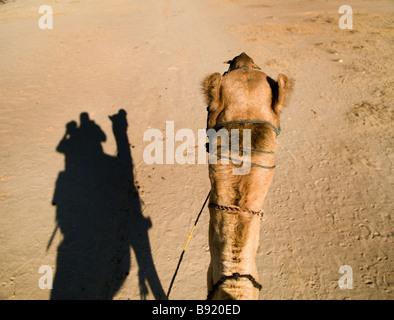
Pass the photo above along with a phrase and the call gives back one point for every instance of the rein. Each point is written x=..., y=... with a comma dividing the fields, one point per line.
x=276, y=129
x=234, y=276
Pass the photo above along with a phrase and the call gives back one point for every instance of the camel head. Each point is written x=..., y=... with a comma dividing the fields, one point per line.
x=242, y=61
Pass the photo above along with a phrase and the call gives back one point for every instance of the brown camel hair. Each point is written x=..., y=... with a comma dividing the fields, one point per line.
x=241, y=93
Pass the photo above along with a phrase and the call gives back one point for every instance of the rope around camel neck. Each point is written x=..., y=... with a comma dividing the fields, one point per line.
x=234, y=276
x=227, y=208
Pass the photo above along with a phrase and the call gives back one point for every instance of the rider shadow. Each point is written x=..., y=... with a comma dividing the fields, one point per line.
x=98, y=211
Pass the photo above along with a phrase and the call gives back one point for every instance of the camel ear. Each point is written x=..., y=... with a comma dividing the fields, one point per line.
x=280, y=92
x=255, y=66
x=211, y=88
x=284, y=87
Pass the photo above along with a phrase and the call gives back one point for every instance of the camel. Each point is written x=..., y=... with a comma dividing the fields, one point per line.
x=242, y=98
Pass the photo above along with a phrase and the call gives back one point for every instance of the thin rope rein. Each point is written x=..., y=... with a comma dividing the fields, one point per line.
x=189, y=236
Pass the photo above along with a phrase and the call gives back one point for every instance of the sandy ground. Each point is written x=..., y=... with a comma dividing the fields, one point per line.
x=114, y=229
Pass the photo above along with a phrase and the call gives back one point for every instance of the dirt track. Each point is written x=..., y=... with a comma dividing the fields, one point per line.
x=331, y=201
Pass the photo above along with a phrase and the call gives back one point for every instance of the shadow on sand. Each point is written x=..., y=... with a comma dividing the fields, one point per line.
x=98, y=211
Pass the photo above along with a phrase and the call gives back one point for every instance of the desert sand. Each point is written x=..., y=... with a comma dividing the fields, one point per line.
x=114, y=227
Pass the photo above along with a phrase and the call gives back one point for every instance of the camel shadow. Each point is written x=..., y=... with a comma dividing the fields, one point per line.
x=98, y=211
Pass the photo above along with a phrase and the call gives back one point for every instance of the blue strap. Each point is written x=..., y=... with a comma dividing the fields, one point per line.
x=246, y=68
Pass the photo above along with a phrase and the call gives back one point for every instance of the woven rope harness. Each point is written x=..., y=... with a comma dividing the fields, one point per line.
x=277, y=131
x=227, y=208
